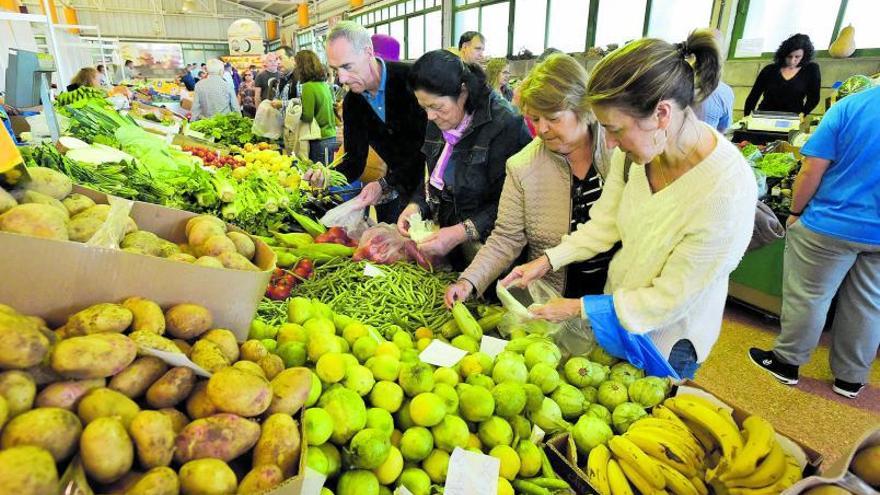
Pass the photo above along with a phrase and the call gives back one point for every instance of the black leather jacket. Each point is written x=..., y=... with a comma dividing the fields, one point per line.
x=497, y=132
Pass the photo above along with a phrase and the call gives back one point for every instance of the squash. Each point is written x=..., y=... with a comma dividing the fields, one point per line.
x=845, y=44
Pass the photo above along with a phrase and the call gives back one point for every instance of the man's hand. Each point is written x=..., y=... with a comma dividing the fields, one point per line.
x=370, y=194
x=316, y=178
x=558, y=310
x=403, y=219
x=443, y=241
x=459, y=291
x=523, y=275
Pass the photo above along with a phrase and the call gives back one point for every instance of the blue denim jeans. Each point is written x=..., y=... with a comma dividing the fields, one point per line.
x=318, y=147
x=683, y=359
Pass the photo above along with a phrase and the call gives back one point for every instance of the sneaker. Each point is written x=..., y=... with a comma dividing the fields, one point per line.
x=767, y=360
x=847, y=389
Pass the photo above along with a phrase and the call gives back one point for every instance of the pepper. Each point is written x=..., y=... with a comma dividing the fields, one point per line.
x=466, y=322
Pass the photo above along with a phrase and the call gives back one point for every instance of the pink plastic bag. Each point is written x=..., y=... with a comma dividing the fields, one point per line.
x=384, y=245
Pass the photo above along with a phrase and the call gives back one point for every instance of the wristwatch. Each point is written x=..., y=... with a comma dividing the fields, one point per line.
x=470, y=230
x=386, y=188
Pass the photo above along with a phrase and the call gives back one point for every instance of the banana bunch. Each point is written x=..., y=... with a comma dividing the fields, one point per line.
x=687, y=446
x=81, y=93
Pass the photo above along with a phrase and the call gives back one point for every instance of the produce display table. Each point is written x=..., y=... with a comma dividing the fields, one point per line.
x=757, y=281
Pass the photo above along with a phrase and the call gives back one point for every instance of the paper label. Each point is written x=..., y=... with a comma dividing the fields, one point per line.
x=313, y=481
x=471, y=473
x=492, y=346
x=175, y=359
x=442, y=354
x=537, y=435
x=402, y=490
x=372, y=271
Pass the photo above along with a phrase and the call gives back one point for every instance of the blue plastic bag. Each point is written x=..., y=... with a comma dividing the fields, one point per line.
x=617, y=341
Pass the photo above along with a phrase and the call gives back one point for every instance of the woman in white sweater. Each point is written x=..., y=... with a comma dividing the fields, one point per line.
x=679, y=197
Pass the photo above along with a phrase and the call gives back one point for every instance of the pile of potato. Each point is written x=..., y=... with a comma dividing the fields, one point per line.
x=45, y=207
x=88, y=391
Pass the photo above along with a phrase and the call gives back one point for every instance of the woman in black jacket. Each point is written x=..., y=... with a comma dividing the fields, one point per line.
x=791, y=83
x=471, y=133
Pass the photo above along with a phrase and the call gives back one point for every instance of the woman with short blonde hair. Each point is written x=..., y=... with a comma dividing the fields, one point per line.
x=498, y=77
x=87, y=76
x=551, y=184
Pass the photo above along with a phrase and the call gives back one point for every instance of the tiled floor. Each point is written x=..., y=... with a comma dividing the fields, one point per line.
x=810, y=411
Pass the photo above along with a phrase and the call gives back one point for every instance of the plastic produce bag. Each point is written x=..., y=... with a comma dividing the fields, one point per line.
x=350, y=216
x=268, y=122
x=111, y=232
x=383, y=244
x=761, y=180
x=573, y=336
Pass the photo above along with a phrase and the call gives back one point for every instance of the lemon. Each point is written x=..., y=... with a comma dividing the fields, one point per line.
x=314, y=392
x=402, y=340
x=381, y=420
x=387, y=395
x=390, y=470
x=359, y=378
x=436, y=465
x=318, y=425
x=355, y=330
x=331, y=367
x=364, y=348
x=320, y=344
x=446, y=375
x=416, y=443
x=415, y=480
x=388, y=349
x=504, y=487
x=427, y=409
x=396, y=435
x=384, y=367
x=423, y=344
x=509, y=461
x=334, y=458
x=470, y=365
x=449, y=396
x=424, y=333
x=474, y=442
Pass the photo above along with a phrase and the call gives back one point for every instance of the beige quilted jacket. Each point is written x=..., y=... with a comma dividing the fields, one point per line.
x=534, y=211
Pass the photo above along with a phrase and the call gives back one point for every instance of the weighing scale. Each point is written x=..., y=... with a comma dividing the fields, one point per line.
x=23, y=90
x=762, y=127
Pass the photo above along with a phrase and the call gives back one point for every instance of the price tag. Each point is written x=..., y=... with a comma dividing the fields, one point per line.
x=372, y=271
x=174, y=359
x=471, y=473
x=442, y=354
x=402, y=490
x=492, y=346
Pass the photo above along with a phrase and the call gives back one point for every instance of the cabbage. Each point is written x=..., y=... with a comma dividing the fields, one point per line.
x=625, y=415
x=590, y=432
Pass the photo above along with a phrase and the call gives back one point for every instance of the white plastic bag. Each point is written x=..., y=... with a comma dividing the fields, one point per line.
x=572, y=336
x=111, y=232
x=350, y=216
x=268, y=122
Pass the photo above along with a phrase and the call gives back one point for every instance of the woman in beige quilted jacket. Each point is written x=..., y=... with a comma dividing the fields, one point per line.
x=550, y=185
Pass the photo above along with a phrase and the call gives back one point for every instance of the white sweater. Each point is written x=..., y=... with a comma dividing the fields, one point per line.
x=679, y=245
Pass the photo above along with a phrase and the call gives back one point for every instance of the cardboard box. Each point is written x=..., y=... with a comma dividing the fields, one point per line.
x=558, y=452
x=54, y=279
x=839, y=474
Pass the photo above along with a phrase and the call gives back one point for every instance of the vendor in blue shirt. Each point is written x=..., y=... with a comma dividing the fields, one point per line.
x=833, y=247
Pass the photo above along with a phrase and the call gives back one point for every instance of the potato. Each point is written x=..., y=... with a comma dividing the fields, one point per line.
x=49, y=182
x=147, y=315
x=235, y=261
x=221, y=436
x=93, y=356
x=244, y=245
x=19, y=389
x=103, y=402
x=208, y=261
x=4, y=411
x=54, y=429
x=253, y=350
x=157, y=481
x=279, y=444
x=204, y=218
x=215, y=246
x=172, y=388
x=84, y=224
x=28, y=470
x=183, y=346
x=148, y=242
x=261, y=479
x=198, y=405
x=43, y=374
x=178, y=419
x=67, y=395
x=182, y=257
x=201, y=231
x=239, y=392
x=134, y=380
x=250, y=367
x=42, y=199
x=106, y=450
x=187, y=321
x=207, y=477
x=290, y=389
x=35, y=220
x=153, y=341
x=153, y=436
x=226, y=341
x=100, y=318
x=271, y=365
x=77, y=203
x=207, y=355
x=22, y=344
x=7, y=202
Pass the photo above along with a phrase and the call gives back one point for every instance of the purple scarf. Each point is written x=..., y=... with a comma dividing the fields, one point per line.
x=452, y=137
